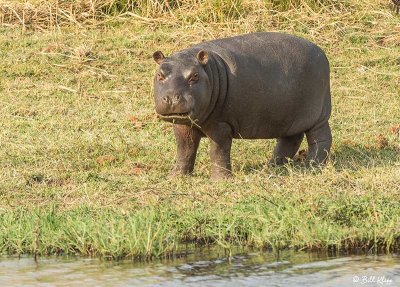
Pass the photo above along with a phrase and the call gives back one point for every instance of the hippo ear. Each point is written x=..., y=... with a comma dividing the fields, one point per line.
x=202, y=56
x=158, y=57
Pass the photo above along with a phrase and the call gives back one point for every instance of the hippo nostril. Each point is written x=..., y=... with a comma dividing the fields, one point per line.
x=166, y=100
x=171, y=100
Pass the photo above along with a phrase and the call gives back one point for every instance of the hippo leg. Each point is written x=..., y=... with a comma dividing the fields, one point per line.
x=221, y=142
x=286, y=148
x=187, y=140
x=319, y=141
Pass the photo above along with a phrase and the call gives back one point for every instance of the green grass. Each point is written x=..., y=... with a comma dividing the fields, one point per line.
x=84, y=162
x=258, y=221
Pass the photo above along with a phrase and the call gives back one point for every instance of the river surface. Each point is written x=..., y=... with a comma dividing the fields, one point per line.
x=206, y=268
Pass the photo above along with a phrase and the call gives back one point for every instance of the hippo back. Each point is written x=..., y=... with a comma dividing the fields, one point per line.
x=277, y=84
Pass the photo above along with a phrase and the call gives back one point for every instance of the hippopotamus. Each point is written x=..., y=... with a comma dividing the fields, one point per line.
x=263, y=85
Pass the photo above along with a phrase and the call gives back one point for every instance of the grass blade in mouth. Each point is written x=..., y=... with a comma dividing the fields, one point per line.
x=177, y=116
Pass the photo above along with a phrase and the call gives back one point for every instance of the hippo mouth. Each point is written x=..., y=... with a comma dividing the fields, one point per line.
x=174, y=116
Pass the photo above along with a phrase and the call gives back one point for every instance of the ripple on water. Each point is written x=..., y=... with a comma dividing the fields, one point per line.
x=205, y=269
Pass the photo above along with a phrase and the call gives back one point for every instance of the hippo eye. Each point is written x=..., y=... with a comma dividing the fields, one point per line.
x=194, y=78
x=160, y=77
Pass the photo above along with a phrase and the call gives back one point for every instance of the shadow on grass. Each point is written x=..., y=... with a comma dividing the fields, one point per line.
x=343, y=157
x=356, y=156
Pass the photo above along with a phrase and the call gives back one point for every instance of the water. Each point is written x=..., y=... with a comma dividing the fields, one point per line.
x=206, y=269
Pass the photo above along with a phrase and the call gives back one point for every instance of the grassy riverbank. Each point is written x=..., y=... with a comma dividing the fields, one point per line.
x=84, y=162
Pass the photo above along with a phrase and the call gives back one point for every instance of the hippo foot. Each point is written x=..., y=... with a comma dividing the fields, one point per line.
x=221, y=174
x=176, y=172
x=312, y=164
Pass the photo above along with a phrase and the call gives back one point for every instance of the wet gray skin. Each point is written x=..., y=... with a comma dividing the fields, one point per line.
x=254, y=86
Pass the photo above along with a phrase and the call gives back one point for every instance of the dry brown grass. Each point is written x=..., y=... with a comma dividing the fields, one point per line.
x=42, y=14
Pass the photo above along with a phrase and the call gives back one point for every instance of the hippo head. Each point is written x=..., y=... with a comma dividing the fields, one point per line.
x=182, y=89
